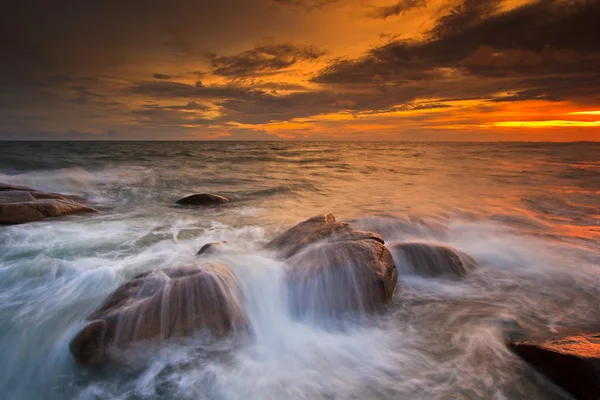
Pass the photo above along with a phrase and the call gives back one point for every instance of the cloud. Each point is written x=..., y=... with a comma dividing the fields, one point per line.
x=307, y=4
x=162, y=76
x=110, y=134
x=400, y=7
x=262, y=60
x=541, y=39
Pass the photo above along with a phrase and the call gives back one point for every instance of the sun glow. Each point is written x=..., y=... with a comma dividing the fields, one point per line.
x=547, y=124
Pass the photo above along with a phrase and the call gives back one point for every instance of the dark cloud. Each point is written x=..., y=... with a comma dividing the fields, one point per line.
x=400, y=7
x=173, y=90
x=542, y=39
x=110, y=134
x=262, y=60
x=307, y=4
x=162, y=76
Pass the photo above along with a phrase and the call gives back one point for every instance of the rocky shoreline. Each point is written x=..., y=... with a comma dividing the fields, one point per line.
x=335, y=268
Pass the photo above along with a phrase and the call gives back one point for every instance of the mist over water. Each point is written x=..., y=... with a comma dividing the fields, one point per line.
x=529, y=214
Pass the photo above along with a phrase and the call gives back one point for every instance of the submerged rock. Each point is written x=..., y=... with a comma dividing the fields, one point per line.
x=335, y=269
x=431, y=259
x=20, y=204
x=210, y=248
x=162, y=304
x=203, y=199
x=571, y=362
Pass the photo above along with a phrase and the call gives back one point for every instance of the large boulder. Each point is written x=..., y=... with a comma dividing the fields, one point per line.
x=203, y=199
x=20, y=204
x=571, y=362
x=431, y=259
x=306, y=233
x=159, y=305
x=334, y=269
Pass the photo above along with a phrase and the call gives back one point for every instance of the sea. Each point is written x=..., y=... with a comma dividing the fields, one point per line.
x=528, y=213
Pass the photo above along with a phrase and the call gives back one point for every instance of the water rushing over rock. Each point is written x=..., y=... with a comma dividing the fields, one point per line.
x=162, y=304
x=527, y=213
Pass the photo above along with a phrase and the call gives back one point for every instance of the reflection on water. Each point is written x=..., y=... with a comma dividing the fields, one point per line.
x=528, y=213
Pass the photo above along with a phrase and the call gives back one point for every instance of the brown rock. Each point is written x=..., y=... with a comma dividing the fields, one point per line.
x=305, y=233
x=21, y=204
x=7, y=187
x=89, y=344
x=335, y=269
x=571, y=362
x=17, y=213
x=162, y=304
x=203, y=199
x=210, y=248
x=15, y=196
x=431, y=259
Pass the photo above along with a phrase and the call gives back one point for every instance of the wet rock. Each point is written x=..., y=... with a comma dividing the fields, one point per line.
x=203, y=199
x=335, y=269
x=305, y=233
x=21, y=204
x=7, y=187
x=431, y=259
x=571, y=362
x=159, y=305
x=88, y=346
x=210, y=248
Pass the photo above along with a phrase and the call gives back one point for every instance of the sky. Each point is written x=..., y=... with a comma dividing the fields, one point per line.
x=450, y=70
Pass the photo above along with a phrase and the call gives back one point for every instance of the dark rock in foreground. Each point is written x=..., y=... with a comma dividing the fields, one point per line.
x=159, y=305
x=210, y=248
x=335, y=269
x=572, y=362
x=203, y=199
x=19, y=204
x=431, y=259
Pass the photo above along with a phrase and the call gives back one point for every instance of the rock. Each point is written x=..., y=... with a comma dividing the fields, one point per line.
x=203, y=199
x=7, y=187
x=88, y=345
x=20, y=204
x=571, y=362
x=305, y=233
x=335, y=269
x=15, y=196
x=210, y=248
x=37, y=210
x=431, y=259
x=159, y=305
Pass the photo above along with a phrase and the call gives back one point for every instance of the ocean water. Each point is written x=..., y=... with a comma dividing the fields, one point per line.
x=528, y=213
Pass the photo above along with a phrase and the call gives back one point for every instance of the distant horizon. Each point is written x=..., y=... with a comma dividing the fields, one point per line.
x=293, y=141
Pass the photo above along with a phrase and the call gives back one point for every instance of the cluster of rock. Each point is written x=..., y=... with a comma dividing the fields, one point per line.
x=20, y=204
x=334, y=269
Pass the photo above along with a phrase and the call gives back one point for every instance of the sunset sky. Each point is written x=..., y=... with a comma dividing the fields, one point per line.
x=476, y=70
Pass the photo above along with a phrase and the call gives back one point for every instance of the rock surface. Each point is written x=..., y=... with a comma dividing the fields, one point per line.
x=571, y=362
x=19, y=204
x=203, y=199
x=210, y=248
x=431, y=259
x=335, y=269
x=162, y=304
